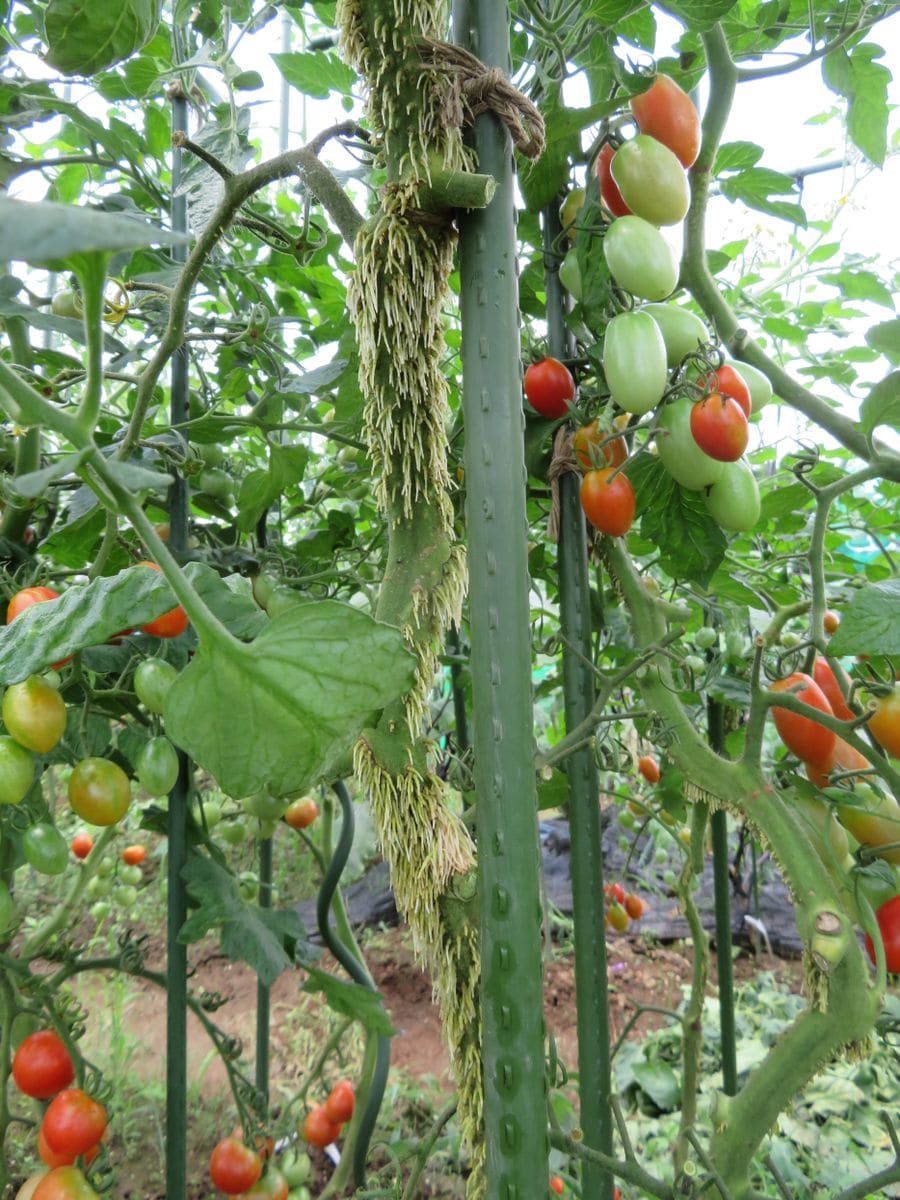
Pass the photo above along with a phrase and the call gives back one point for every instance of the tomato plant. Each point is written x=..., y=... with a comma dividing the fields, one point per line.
x=42, y=1065
x=608, y=502
x=152, y=680
x=34, y=713
x=99, y=791
x=73, y=1122
x=640, y=259
x=318, y=1128
x=301, y=813
x=666, y=112
x=340, y=1101
x=609, y=192
x=45, y=848
x=719, y=427
x=885, y=722
x=81, y=845
x=888, y=918
x=549, y=388
x=634, y=362
x=803, y=736
x=169, y=624
x=16, y=771
x=234, y=1167
x=651, y=180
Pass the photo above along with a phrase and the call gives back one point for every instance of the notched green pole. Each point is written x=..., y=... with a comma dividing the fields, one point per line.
x=262, y=989
x=722, y=892
x=515, y=1113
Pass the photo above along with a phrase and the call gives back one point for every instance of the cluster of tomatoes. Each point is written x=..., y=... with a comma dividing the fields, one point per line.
x=72, y=1124
x=622, y=907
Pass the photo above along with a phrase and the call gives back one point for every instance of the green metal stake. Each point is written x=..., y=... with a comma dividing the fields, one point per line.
x=591, y=998
x=722, y=892
x=262, y=990
x=515, y=1104
x=176, y=969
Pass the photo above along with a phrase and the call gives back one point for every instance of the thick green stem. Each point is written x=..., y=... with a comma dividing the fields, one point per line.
x=28, y=444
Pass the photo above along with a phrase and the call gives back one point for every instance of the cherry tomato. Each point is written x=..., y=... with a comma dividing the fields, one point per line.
x=719, y=427
x=295, y=1167
x=67, y=303
x=802, y=735
x=568, y=212
x=42, y=1065
x=64, y=1183
x=617, y=918
x=132, y=856
x=318, y=1128
x=830, y=621
x=99, y=791
x=16, y=771
x=608, y=503
x=827, y=681
x=666, y=112
x=234, y=1167
x=616, y=891
x=609, y=192
x=301, y=813
x=640, y=259
x=81, y=845
x=729, y=382
x=591, y=454
x=733, y=500
x=271, y=1186
x=888, y=918
x=683, y=332
x=45, y=849
x=649, y=768
x=842, y=758
x=875, y=823
x=885, y=724
x=651, y=180
x=339, y=1105
x=557, y=1185
x=634, y=362
x=171, y=623
x=157, y=766
x=52, y=1159
x=152, y=680
x=549, y=388
x=34, y=714
x=73, y=1122
x=679, y=453
x=634, y=906
x=24, y=599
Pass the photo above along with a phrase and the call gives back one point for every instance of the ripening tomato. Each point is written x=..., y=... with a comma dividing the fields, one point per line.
x=634, y=906
x=340, y=1101
x=874, y=821
x=649, y=768
x=73, y=1122
x=568, y=212
x=651, y=180
x=16, y=771
x=99, y=791
x=608, y=503
x=34, y=714
x=52, y=1159
x=828, y=682
x=318, y=1128
x=301, y=813
x=842, y=758
x=683, y=331
x=888, y=918
x=81, y=845
x=557, y=1185
x=666, y=112
x=634, y=362
x=733, y=500
x=549, y=388
x=42, y=1065
x=679, y=453
x=132, y=856
x=24, y=599
x=830, y=621
x=234, y=1167
x=64, y=1183
x=169, y=624
x=759, y=385
x=589, y=451
x=640, y=259
x=803, y=736
x=885, y=723
x=729, y=382
x=617, y=917
x=609, y=192
x=719, y=427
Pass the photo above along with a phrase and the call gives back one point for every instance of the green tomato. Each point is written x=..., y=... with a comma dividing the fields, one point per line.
x=260, y=830
x=124, y=895
x=216, y=483
x=634, y=362
x=157, y=767
x=131, y=874
x=248, y=886
x=679, y=453
x=694, y=663
x=67, y=304
x=627, y=819
x=624, y=844
x=295, y=1166
x=100, y=910
x=640, y=259
x=300, y=1193
x=16, y=771
x=669, y=878
x=7, y=907
x=652, y=181
x=760, y=388
x=706, y=637
x=52, y=678
x=733, y=500
x=212, y=813
x=233, y=832
x=682, y=331
x=661, y=855
x=265, y=807
x=105, y=867
x=570, y=275
x=99, y=887
x=45, y=849
x=734, y=645
x=152, y=681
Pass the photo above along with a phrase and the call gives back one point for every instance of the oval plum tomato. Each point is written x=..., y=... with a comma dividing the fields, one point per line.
x=99, y=791
x=885, y=723
x=570, y=274
x=679, y=453
x=73, y=1122
x=616, y=891
x=42, y=1065
x=719, y=427
x=634, y=906
x=729, y=382
x=683, y=332
x=759, y=385
x=301, y=813
x=132, y=856
x=810, y=741
x=617, y=917
x=733, y=500
x=16, y=771
x=843, y=758
x=609, y=192
x=651, y=180
x=874, y=821
x=169, y=624
x=549, y=388
x=608, y=503
x=34, y=713
x=81, y=845
x=52, y=1159
x=45, y=849
x=640, y=259
x=557, y=1185
x=888, y=918
x=24, y=599
x=568, y=212
x=828, y=682
x=64, y=1183
x=234, y=1167
x=831, y=621
x=152, y=680
x=589, y=451
x=340, y=1101
x=271, y=1186
x=634, y=362
x=318, y=1128
x=649, y=768
x=666, y=112
x=157, y=766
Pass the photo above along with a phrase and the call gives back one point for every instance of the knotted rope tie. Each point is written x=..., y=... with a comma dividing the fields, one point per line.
x=563, y=462
x=478, y=88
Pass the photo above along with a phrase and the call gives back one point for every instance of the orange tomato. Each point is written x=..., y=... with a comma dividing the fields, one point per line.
x=803, y=736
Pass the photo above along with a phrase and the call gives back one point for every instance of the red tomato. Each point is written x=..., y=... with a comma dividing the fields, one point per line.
x=549, y=388
x=557, y=1185
x=634, y=906
x=73, y=1122
x=133, y=855
x=811, y=742
x=301, y=813
x=42, y=1065
x=827, y=681
x=609, y=191
x=608, y=503
x=666, y=112
x=830, y=621
x=52, y=1159
x=64, y=1183
x=234, y=1167
x=843, y=757
x=616, y=891
x=339, y=1105
x=24, y=599
x=885, y=724
x=81, y=845
x=727, y=381
x=591, y=454
x=649, y=768
x=171, y=623
x=719, y=427
x=888, y=918
x=318, y=1128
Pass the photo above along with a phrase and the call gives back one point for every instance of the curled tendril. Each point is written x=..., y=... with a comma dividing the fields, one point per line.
x=98, y=1086
x=211, y=1001
x=231, y=1047
x=131, y=951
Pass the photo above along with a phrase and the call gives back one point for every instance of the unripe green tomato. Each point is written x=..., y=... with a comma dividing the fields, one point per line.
x=733, y=500
x=790, y=640
x=260, y=830
x=265, y=807
x=152, y=681
x=131, y=874
x=52, y=678
x=661, y=855
x=652, y=181
x=99, y=887
x=624, y=844
x=295, y=1166
x=233, y=832
x=211, y=454
x=212, y=813
x=248, y=886
x=634, y=362
x=7, y=907
x=669, y=878
x=734, y=644
x=45, y=849
x=100, y=910
x=694, y=662
x=16, y=771
x=300, y=1193
x=760, y=388
x=570, y=275
x=216, y=483
x=679, y=453
x=640, y=259
x=67, y=303
x=626, y=820
x=105, y=867
x=124, y=895
x=706, y=637
x=157, y=767
x=682, y=331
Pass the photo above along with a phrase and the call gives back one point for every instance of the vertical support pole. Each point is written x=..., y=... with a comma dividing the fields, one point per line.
x=722, y=898
x=515, y=1112
x=176, y=970
x=262, y=990
x=592, y=1002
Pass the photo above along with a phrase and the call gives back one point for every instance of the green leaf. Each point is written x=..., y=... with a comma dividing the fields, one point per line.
x=882, y=405
x=351, y=1000
x=690, y=543
x=783, y=500
x=869, y=623
x=864, y=84
x=854, y=284
x=45, y=233
x=736, y=156
x=264, y=938
x=35, y=483
x=553, y=792
x=757, y=185
x=282, y=710
x=542, y=181
x=885, y=338
x=660, y=1083
x=316, y=74
x=699, y=14
x=232, y=603
x=138, y=479
x=86, y=36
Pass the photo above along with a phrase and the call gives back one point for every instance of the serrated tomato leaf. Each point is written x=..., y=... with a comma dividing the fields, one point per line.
x=351, y=1000
x=869, y=623
x=690, y=543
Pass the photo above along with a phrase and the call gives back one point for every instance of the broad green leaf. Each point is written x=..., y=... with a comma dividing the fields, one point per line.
x=42, y=232
x=138, y=479
x=690, y=543
x=869, y=623
x=553, y=792
x=542, y=181
x=779, y=501
x=756, y=186
x=882, y=405
x=660, y=1083
x=736, y=156
x=856, y=284
x=316, y=74
x=281, y=711
x=885, y=338
x=317, y=379
x=36, y=482
x=86, y=36
x=351, y=1000
x=699, y=14
x=863, y=83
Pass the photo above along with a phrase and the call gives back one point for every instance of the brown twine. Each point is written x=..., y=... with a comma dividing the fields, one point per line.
x=563, y=462
x=478, y=88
